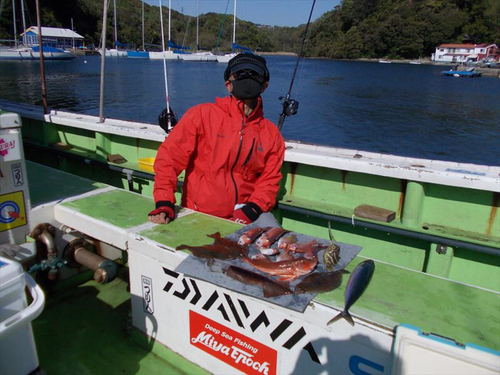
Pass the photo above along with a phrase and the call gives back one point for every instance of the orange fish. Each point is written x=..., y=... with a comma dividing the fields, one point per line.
x=288, y=269
x=249, y=236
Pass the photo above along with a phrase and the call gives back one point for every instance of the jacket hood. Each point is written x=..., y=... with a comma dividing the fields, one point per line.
x=234, y=108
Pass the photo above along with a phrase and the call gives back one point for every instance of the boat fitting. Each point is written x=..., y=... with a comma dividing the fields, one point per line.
x=81, y=252
x=44, y=234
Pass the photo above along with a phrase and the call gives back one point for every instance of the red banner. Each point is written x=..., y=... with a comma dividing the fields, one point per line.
x=231, y=347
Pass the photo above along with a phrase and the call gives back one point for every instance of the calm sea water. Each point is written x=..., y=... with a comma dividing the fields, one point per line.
x=407, y=110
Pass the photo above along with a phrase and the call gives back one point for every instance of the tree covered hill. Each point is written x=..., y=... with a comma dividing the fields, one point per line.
x=402, y=28
x=87, y=19
x=353, y=29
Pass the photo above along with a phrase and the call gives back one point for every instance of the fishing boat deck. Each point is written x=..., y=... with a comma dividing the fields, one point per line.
x=396, y=295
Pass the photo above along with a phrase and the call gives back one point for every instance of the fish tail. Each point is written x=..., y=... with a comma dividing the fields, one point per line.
x=344, y=314
x=182, y=247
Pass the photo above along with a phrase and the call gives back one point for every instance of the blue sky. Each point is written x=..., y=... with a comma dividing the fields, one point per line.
x=265, y=12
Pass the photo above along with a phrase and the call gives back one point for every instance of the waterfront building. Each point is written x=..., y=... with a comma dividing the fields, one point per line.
x=466, y=52
x=53, y=37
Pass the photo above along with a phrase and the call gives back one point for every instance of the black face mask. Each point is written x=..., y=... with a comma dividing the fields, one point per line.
x=246, y=88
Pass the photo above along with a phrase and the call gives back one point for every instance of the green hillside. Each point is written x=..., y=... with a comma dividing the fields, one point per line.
x=354, y=29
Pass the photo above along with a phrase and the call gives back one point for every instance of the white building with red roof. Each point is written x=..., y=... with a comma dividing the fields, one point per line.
x=466, y=52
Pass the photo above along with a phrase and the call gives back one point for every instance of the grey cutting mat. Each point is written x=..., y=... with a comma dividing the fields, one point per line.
x=198, y=269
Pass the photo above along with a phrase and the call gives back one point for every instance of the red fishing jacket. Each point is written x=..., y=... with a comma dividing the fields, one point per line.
x=229, y=159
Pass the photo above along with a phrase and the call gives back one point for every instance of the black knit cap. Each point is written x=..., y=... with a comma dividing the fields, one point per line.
x=247, y=61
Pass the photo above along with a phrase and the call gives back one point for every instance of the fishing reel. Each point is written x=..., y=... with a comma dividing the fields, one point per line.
x=167, y=120
x=290, y=106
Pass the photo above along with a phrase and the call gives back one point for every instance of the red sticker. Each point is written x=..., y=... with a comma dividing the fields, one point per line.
x=231, y=347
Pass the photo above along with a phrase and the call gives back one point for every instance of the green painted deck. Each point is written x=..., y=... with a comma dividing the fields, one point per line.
x=87, y=329
x=191, y=230
x=118, y=207
x=48, y=184
x=397, y=295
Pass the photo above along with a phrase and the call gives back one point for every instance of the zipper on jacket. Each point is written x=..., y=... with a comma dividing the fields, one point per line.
x=249, y=154
x=236, y=161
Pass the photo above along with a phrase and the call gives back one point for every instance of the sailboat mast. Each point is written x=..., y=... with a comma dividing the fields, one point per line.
x=116, y=33
x=24, y=22
x=143, y=25
x=103, y=60
x=234, y=24
x=42, y=66
x=197, y=23
x=169, y=19
x=14, y=21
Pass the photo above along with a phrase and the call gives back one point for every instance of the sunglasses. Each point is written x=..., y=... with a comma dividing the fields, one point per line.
x=247, y=73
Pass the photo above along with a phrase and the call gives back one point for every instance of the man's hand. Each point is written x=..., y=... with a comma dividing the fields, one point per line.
x=240, y=217
x=162, y=215
x=246, y=214
x=161, y=218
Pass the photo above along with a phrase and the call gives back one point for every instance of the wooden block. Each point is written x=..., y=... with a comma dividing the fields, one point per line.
x=61, y=146
x=117, y=159
x=374, y=213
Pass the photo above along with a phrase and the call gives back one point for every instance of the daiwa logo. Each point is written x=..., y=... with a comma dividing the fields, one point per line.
x=231, y=347
x=147, y=294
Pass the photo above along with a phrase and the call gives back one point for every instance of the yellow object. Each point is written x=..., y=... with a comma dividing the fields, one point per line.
x=146, y=164
x=12, y=212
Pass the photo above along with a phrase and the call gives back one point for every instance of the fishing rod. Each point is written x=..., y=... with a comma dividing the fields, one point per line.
x=291, y=106
x=166, y=119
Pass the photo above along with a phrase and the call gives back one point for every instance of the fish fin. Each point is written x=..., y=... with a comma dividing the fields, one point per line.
x=182, y=247
x=215, y=235
x=344, y=314
x=344, y=271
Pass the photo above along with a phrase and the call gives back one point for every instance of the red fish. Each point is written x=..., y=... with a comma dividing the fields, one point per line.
x=286, y=270
x=306, y=248
x=250, y=236
x=284, y=242
x=265, y=241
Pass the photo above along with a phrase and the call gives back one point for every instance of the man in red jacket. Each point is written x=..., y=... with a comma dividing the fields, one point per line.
x=232, y=155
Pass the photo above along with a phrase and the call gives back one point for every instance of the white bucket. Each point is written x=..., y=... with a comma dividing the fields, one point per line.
x=18, y=351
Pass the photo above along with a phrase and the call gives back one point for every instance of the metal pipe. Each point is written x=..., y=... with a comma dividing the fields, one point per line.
x=103, y=60
x=47, y=239
x=42, y=67
x=105, y=269
x=402, y=232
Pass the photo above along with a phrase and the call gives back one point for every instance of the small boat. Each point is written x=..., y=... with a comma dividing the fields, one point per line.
x=385, y=61
x=138, y=54
x=463, y=73
x=199, y=56
x=33, y=53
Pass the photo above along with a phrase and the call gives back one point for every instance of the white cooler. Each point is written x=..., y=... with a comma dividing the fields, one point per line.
x=17, y=345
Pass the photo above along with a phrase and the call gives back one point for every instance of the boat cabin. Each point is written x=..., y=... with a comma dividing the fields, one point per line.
x=53, y=37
